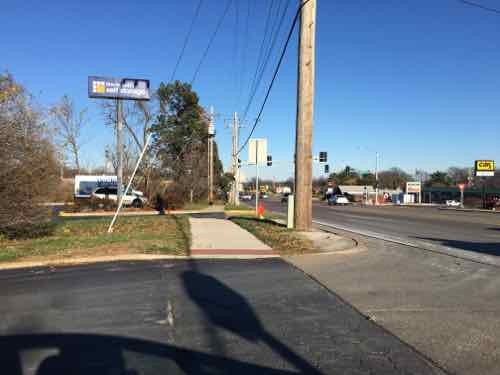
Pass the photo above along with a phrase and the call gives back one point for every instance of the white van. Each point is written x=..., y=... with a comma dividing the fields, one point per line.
x=85, y=185
x=105, y=186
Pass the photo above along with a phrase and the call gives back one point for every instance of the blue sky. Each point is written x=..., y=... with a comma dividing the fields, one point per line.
x=416, y=80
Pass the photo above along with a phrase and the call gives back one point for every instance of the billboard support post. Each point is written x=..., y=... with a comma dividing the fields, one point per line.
x=119, y=150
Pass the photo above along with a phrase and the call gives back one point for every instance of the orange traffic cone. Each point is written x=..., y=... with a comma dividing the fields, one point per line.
x=260, y=211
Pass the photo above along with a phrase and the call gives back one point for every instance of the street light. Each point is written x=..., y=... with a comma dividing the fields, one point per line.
x=377, y=157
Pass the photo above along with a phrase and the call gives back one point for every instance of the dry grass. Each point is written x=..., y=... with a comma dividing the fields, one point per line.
x=283, y=240
x=88, y=237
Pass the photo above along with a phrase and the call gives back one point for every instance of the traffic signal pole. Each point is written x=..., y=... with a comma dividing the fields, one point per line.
x=305, y=108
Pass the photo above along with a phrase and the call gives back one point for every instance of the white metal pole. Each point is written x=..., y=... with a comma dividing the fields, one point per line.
x=110, y=228
x=119, y=149
x=237, y=167
x=376, y=178
x=256, y=177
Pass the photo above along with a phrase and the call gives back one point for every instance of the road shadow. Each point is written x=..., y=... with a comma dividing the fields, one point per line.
x=253, y=219
x=489, y=248
x=82, y=354
x=495, y=228
x=226, y=309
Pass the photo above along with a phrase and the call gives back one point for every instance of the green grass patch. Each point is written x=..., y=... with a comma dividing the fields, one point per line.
x=88, y=237
x=285, y=241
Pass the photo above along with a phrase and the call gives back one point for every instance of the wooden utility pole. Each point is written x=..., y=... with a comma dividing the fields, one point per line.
x=305, y=109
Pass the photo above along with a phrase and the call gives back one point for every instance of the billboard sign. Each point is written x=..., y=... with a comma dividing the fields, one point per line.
x=118, y=88
x=413, y=187
x=257, y=151
x=484, y=168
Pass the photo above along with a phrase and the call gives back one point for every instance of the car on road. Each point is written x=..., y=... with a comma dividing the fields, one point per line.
x=452, y=203
x=337, y=200
x=245, y=196
x=264, y=195
x=134, y=198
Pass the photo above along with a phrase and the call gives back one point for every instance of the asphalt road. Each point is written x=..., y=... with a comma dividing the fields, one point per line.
x=474, y=235
x=187, y=317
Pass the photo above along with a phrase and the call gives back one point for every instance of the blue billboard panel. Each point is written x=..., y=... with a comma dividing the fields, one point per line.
x=118, y=88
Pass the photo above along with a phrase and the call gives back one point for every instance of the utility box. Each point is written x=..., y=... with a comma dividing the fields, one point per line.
x=289, y=221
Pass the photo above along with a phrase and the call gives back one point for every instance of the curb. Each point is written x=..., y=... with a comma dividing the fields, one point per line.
x=127, y=257
x=135, y=213
x=469, y=210
x=343, y=250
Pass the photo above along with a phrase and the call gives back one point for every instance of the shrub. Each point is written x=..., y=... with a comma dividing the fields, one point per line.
x=28, y=230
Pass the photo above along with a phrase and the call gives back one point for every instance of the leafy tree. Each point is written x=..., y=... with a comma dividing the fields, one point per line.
x=346, y=177
x=439, y=179
x=367, y=179
x=180, y=135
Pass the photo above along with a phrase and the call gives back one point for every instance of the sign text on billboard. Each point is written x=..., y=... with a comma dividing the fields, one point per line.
x=118, y=88
x=484, y=168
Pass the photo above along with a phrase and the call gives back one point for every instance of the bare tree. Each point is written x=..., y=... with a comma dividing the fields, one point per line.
x=68, y=123
x=137, y=118
x=28, y=163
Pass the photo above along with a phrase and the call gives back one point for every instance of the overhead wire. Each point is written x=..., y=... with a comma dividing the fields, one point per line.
x=244, y=52
x=481, y=6
x=186, y=39
x=212, y=38
x=262, y=44
x=266, y=60
x=283, y=51
x=236, y=56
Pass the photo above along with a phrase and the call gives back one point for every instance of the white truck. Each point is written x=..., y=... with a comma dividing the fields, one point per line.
x=105, y=186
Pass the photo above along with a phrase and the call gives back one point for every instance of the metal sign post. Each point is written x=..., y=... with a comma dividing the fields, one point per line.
x=257, y=152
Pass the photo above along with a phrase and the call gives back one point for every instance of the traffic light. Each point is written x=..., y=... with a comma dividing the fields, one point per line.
x=323, y=157
x=327, y=169
x=269, y=160
x=239, y=163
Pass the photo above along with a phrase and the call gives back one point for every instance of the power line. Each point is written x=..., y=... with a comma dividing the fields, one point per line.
x=477, y=5
x=243, y=52
x=236, y=49
x=186, y=40
x=290, y=32
x=261, y=49
x=212, y=38
x=266, y=60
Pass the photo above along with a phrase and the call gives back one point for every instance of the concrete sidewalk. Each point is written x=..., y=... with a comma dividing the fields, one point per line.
x=211, y=236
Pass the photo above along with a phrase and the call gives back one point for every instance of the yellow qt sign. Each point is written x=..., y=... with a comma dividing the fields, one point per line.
x=485, y=165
